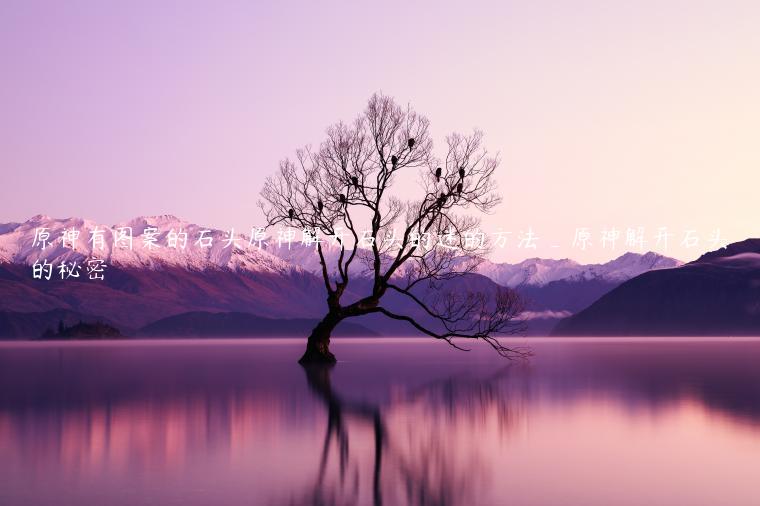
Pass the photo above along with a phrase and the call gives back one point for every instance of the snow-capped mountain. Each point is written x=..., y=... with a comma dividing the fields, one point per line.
x=166, y=240
x=715, y=295
x=174, y=266
x=144, y=283
x=541, y=272
x=307, y=257
x=629, y=265
x=532, y=271
x=156, y=241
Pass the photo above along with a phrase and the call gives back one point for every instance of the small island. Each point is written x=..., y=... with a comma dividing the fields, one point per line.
x=81, y=330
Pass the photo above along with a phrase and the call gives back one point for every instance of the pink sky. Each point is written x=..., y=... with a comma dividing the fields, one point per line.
x=606, y=114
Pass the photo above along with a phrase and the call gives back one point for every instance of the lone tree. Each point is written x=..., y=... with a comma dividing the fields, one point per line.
x=411, y=247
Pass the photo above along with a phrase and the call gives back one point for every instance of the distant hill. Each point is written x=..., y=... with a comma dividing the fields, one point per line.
x=556, y=289
x=31, y=325
x=553, y=289
x=82, y=330
x=131, y=297
x=204, y=324
x=717, y=294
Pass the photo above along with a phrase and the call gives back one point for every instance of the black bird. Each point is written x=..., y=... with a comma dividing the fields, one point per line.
x=320, y=205
x=461, y=172
x=394, y=160
x=291, y=213
x=355, y=181
x=459, y=188
x=410, y=143
x=442, y=198
x=438, y=174
x=342, y=198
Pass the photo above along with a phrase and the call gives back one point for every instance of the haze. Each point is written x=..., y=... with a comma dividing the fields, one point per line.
x=606, y=114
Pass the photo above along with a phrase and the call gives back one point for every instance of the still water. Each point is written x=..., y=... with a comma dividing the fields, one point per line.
x=397, y=421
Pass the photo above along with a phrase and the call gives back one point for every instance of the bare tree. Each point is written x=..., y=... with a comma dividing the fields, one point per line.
x=346, y=183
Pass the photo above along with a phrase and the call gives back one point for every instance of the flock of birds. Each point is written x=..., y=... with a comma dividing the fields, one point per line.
x=394, y=161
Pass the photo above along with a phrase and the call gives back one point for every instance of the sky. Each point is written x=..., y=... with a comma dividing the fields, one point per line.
x=606, y=115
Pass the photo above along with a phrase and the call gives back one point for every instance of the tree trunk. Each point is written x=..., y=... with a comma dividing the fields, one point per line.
x=318, y=344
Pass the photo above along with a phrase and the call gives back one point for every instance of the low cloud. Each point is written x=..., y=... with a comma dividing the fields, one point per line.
x=545, y=315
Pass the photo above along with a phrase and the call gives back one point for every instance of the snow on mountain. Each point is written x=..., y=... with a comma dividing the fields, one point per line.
x=199, y=249
x=540, y=272
x=307, y=257
x=532, y=271
x=715, y=295
x=152, y=247
x=628, y=265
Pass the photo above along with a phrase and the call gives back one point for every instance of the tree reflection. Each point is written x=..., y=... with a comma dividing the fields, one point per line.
x=410, y=455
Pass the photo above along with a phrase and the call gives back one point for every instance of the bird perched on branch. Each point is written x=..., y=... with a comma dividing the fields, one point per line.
x=438, y=174
x=355, y=181
x=410, y=143
x=394, y=160
x=459, y=188
x=291, y=212
x=461, y=172
x=320, y=205
x=342, y=198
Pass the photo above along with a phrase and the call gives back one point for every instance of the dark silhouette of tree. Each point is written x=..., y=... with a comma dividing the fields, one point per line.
x=347, y=181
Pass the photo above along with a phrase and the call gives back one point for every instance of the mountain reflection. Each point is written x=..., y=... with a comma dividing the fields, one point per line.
x=396, y=423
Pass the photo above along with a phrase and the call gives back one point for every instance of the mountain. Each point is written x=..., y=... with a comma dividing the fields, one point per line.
x=133, y=297
x=204, y=324
x=553, y=289
x=98, y=240
x=144, y=283
x=717, y=294
x=31, y=325
x=556, y=289
x=532, y=272
x=541, y=272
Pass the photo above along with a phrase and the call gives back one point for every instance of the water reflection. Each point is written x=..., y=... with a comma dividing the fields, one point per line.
x=414, y=463
x=398, y=422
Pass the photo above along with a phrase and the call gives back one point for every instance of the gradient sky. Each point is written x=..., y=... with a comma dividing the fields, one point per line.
x=606, y=114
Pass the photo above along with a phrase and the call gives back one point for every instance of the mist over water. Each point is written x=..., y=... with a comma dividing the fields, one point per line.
x=397, y=421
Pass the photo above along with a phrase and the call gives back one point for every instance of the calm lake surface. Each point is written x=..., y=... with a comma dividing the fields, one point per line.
x=397, y=421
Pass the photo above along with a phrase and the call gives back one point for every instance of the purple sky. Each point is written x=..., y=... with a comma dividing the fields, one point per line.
x=606, y=114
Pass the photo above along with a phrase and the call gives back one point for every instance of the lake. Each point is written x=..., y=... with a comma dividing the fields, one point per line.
x=396, y=421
